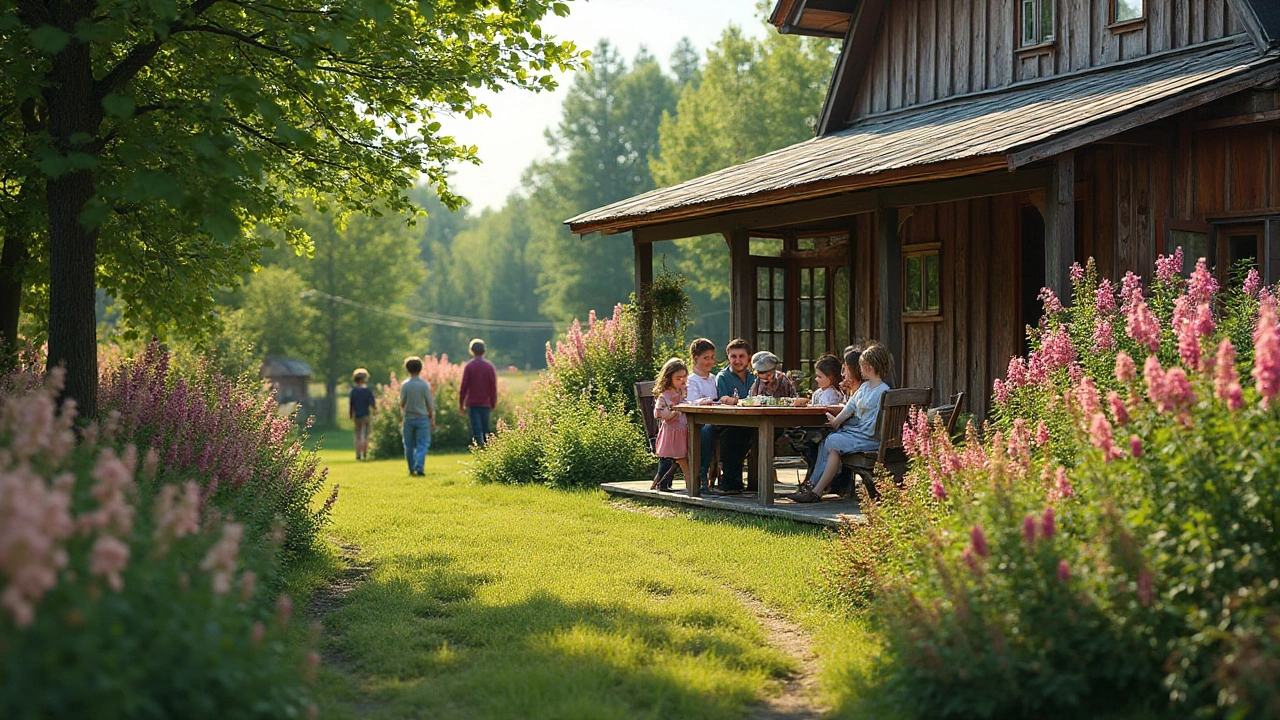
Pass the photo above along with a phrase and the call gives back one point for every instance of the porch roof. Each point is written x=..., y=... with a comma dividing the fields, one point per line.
x=963, y=135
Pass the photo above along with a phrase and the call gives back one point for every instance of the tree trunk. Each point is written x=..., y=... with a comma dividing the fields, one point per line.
x=331, y=358
x=13, y=266
x=74, y=118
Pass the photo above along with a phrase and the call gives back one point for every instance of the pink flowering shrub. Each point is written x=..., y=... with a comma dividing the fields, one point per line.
x=1108, y=547
x=601, y=360
x=224, y=434
x=580, y=426
x=125, y=592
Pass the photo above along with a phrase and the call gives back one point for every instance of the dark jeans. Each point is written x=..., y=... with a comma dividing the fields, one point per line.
x=479, y=424
x=735, y=443
x=417, y=440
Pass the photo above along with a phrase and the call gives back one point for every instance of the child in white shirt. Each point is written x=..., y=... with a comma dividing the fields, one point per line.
x=826, y=373
x=702, y=383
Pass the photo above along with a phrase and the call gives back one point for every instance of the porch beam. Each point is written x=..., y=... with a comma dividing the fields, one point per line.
x=889, y=246
x=741, y=310
x=857, y=203
x=644, y=280
x=803, y=211
x=1060, y=226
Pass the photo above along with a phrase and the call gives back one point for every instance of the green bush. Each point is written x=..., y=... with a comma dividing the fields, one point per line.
x=572, y=442
x=1109, y=548
x=580, y=427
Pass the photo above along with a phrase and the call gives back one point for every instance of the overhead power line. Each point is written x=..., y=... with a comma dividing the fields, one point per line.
x=437, y=319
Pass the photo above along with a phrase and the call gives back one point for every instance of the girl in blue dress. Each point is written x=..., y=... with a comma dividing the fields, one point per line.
x=855, y=426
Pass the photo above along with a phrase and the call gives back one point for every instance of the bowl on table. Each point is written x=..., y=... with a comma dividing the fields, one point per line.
x=799, y=401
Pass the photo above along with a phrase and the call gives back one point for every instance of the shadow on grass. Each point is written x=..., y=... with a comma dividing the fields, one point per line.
x=421, y=641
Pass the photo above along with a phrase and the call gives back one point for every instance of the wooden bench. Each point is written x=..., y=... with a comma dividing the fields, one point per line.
x=895, y=406
x=644, y=404
x=949, y=414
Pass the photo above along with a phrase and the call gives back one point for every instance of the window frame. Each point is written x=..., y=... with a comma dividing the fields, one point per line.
x=1042, y=38
x=1113, y=15
x=922, y=252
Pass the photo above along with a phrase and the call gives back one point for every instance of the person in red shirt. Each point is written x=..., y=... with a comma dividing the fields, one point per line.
x=479, y=392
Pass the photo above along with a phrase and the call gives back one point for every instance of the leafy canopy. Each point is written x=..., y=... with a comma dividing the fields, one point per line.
x=213, y=114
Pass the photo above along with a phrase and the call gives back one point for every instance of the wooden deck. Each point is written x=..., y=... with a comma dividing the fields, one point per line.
x=831, y=512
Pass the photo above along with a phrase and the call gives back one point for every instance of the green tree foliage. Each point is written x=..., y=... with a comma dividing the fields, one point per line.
x=752, y=97
x=483, y=266
x=360, y=258
x=147, y=137
x=607, y=133
x=275, y=317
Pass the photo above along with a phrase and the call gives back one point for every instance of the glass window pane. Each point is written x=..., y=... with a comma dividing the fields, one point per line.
x=1128, y=10
x=806, y=314
x=820, y=282
x=762, y=315
x=779, y=316
x=933, y=282
x=766, y=247
x=1028, y=22
x=1046, y=20
x=762, y=341
x=840, y=302
x=806, y=346
x=762, y=282
x=806, y=282
x=819, y=315
x=912, y=281
x=779, y=284
x=1195, y=245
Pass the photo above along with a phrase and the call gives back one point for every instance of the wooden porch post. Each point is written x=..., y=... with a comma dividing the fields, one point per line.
x=889, y=245
x=1060, y=226
x=740, y=280
x=644, y=278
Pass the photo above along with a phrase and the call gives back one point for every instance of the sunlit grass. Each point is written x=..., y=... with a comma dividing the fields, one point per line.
x=495, y=601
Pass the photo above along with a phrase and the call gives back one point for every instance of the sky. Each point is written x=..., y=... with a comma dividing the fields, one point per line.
x=515, y=135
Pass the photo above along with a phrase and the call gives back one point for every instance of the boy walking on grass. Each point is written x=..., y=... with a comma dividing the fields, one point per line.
x=360, y=410
x=478, y=395
x=418, y=408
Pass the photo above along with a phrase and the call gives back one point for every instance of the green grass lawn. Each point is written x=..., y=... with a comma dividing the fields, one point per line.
x=494, y=601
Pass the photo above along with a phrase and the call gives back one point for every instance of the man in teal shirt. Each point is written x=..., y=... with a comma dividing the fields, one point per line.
x=733, y=383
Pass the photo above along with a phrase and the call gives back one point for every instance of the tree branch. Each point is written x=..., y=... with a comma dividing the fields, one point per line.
x=141, y=55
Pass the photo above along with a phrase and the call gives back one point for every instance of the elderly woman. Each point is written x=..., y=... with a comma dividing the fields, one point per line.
x=770, y=380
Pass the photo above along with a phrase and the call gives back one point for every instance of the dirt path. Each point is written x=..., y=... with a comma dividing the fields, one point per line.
x=330, y=597
x=799, y=697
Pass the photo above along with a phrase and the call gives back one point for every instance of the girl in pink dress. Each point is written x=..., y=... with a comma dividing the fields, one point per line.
x=673, y=432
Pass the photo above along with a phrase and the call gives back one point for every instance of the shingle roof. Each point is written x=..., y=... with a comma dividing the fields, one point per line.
x=989, y=124
x=274, y=367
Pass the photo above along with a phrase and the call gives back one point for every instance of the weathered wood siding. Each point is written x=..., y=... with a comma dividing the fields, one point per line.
x=1127, y=192
x=969, y=346
x=931, y=49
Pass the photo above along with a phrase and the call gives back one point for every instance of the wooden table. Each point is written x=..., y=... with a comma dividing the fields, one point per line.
x=763, y=418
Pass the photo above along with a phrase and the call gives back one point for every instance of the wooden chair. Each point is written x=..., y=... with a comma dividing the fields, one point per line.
x=895, y=406
x=950, y=413
x=645, y=403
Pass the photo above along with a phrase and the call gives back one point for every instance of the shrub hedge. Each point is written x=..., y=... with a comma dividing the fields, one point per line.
x=1108, y=549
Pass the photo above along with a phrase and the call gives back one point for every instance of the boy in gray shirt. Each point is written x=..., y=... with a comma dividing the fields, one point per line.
x=418, y=408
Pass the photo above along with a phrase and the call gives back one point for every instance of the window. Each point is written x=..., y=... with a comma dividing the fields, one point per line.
x=1195, y=240
x=922, y=282
x=813, y=316
x=1037, y=22
x=771, y=311
x=1126, y=10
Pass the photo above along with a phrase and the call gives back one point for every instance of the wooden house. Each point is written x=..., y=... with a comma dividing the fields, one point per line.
x=968, y=152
